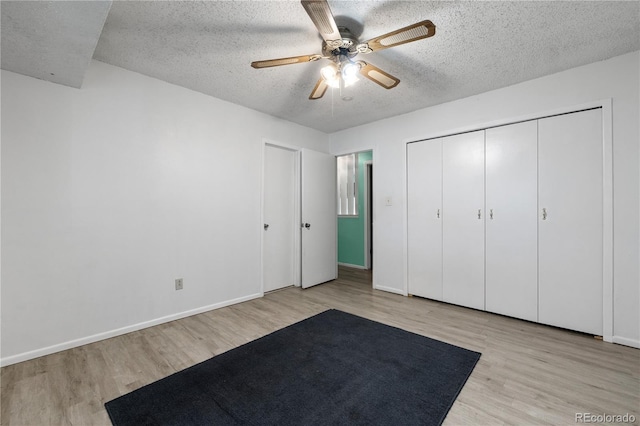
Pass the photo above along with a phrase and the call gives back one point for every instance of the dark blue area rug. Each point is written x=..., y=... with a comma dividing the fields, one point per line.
x=331, y=369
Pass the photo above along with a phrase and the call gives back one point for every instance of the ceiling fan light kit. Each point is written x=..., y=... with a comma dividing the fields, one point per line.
x=340, y=47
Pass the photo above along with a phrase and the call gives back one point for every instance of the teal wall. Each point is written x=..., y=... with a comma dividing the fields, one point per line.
x=351, y=229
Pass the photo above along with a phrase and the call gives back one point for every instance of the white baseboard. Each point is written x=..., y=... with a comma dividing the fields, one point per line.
x=25, y=356
x=389, y=289
x=349, y=265
x=627, y=342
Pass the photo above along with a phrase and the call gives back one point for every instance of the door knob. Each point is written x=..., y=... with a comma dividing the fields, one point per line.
x=307, y=225
x=266, y=226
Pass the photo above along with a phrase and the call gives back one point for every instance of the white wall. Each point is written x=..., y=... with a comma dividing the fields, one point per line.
x=112, y=191
x=617, y=78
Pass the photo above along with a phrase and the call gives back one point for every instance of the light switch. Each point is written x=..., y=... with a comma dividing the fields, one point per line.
x=388, y=201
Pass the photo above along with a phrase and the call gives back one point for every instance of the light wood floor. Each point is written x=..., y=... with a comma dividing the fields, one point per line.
x=528, y=373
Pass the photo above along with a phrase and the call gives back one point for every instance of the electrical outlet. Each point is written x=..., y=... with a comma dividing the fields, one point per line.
x=179, y=284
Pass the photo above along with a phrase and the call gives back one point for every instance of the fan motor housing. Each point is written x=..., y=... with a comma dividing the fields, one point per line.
x=348, y=47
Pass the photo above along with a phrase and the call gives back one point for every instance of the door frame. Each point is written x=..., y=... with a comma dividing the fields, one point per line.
x=607, y=193
x=297, y=271
x=368, y=213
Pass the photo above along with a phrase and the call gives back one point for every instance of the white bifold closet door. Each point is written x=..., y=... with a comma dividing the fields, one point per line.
x=571, y=221
x=512, y=223
x=463, y=219
x=424, y=211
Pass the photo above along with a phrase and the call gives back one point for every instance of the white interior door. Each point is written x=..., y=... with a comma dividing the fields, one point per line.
x=571, y=221
x=319, y=218
x=463, y=219
x=424, y=205
x=279, y=218
x=512, y=222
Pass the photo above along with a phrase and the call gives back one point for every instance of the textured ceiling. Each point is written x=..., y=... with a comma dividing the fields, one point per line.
x=51, y=40
x=207, y=46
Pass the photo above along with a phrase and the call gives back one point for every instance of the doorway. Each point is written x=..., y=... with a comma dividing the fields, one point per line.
x=355, y=212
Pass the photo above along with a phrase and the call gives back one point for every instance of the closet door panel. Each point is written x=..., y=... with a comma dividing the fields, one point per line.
x=424, y=195
x=511, y=223
x=463, y=219
x=570, y=221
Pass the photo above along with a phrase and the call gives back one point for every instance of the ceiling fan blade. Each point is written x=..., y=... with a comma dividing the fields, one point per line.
x=285, y=61
x=418, y=31
x=320, y=14
x=319, y=89
x=378, y=76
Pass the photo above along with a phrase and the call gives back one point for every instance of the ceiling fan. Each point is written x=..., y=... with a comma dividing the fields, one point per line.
x=341, y=47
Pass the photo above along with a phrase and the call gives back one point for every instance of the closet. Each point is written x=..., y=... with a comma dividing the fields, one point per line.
x=509, y=220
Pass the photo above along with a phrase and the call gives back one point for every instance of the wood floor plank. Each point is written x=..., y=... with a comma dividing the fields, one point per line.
x=528, y=373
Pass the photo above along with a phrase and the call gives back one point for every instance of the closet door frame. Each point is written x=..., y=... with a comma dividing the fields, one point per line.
x=607, y=192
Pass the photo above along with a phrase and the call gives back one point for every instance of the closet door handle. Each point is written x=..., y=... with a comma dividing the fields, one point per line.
x=479, y=213
x=544, y=214
x=491, y=214
x=438, y=214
